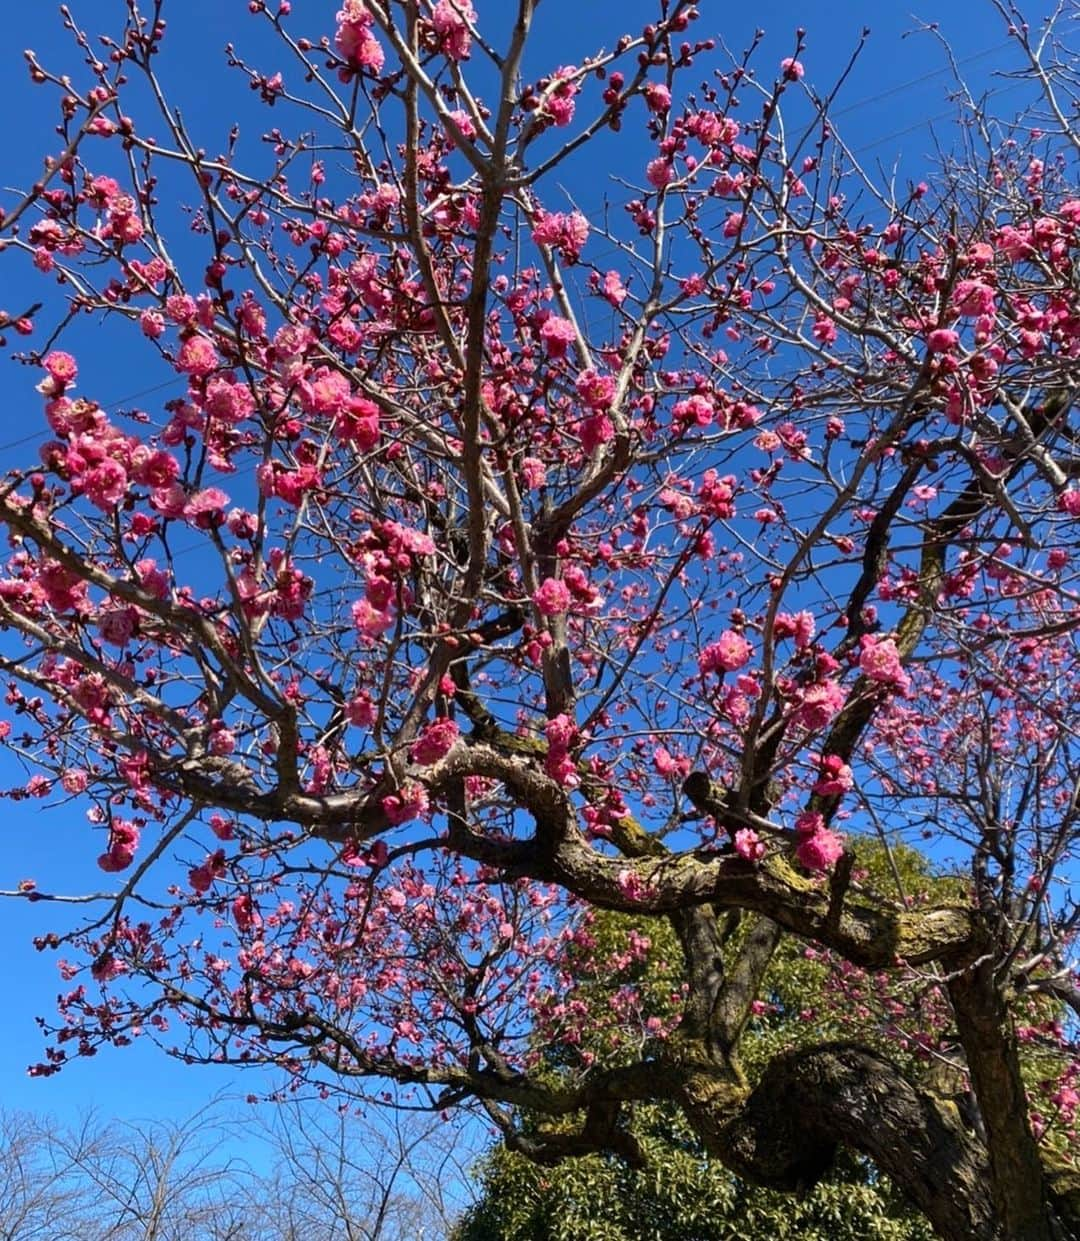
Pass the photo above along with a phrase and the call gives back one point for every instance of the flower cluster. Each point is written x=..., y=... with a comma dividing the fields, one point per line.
x=818, y=847
x=729, y=652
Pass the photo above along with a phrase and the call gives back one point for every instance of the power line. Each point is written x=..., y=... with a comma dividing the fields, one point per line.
x=922, y=124
x=887, y=94
x=844, y=111
x=120, y=400
x=925, y=77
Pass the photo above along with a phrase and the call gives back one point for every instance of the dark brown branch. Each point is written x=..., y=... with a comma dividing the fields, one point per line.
x=811, y=1101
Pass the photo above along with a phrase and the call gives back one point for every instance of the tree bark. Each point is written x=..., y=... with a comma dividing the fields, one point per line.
x=1017, y=1181
x=811, y=1101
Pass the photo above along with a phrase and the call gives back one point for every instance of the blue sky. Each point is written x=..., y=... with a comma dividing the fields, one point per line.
x=891, y=101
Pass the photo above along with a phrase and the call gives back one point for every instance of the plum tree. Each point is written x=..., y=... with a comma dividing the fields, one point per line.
x=500, y=558
x=678, y=1193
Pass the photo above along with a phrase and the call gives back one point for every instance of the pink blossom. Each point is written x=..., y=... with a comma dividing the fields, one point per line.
x=291, y=590
x=557, y=334
x=106, y=484
x=291, y=342
x=566, y=232
x=791, y=69
x=152, y=579
x=657, y=97
x=123, y=841
x=711, y=129
x=231, y=402
x=533, y=472
x=198, y=357
x=664, y=763
x=548, y=228
x=835, y=777
x=716, y=494
x=169, y=501
x=943, y=340
x=293, y=485
x=659, y=172
x=809, y=823
x=818, y=703
x=405, y=538
x=223, y=828
x=613, y=288
x=821, y=850
x=1069, y=501
x=559, y=101
x=358, y=423
x=63, y=590
x=696, y=410
x=435, y=742
x=369, y=620
x=74, y=781
x=632, y=886
x=153, y=468
x=222, y=742
x=117, y=625
x=562, y=735
x=202, y=877
x=730, y=651
x=552, y=598
x=354, y=40
x=973, y=298
x=880, y=661
x=408, y=803
x=450, y=22
x=123, y=223
x=107, y=966
x=206, y=508
x=463, y=121
x=49, y=234
x=824, y=330
x=61, y=366
x=597, y=391
x=244, y=913
x=38, y=785
x=368, y=52
x=584, y=594
x=379, y=591
x=48, y=387
x=241, y=523
x=748, y=845
x=801, y=626
x=325, y=391
x=361, y=711
x=595, y=432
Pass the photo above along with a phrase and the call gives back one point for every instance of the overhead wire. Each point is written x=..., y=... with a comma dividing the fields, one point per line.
x=858, y=104
x=924, y=77
x=118, y=401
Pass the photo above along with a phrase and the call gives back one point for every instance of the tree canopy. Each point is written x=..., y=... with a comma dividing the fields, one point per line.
x=502, y=559
x=679, y=1194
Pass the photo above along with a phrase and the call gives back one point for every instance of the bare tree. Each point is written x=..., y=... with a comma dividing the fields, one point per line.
x=395, y=1174
x=295, y=1171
